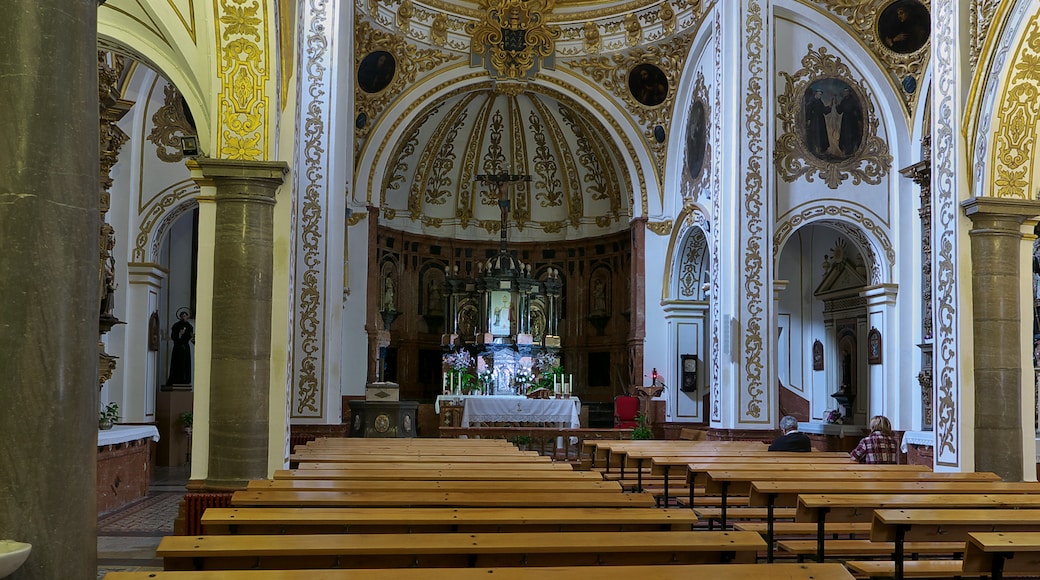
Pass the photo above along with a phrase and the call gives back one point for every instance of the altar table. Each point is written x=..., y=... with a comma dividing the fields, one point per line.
x=515, y=409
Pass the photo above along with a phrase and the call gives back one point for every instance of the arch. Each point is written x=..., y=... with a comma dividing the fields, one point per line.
x=863, y=229
x=691, y=217
x=693, y=268
x=158, y=216
x=636, y=163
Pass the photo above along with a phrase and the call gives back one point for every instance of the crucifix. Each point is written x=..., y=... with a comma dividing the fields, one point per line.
x=502, y=181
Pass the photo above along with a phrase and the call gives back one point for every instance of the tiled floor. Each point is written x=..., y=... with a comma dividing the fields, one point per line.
x=128, y=537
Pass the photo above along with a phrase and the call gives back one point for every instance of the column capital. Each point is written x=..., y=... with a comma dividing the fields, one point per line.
x=987, y=209
x=215, y=172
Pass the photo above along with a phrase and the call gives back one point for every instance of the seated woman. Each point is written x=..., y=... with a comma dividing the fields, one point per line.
x=878, y=447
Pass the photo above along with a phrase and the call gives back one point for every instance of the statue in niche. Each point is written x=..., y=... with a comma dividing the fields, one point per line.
x=434, y=298
x=387, y=302
x=599, y=297
x=183, y=334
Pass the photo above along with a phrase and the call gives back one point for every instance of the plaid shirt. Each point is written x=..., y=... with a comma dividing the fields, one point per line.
x=876, y=448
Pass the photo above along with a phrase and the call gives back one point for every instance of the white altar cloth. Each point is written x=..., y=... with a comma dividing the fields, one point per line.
x=514, y=409
x=125, y=433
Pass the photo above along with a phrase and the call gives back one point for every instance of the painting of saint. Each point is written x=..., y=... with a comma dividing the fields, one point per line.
x=696, y=139
x=648, y=84
x=501, y=313
x=376, y=71
x=904, y=26
x=832, y=119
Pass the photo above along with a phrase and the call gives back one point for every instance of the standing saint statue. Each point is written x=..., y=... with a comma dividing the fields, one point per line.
x=183, y=334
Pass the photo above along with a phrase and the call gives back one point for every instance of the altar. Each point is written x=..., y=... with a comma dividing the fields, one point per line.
x=481, y=410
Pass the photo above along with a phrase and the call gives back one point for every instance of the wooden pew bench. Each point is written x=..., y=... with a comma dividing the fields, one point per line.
x=999, y=553
x=457, y=550
x=300, y=520
x=844, y=549
x=437, y=498
x=945, y=524
x=562, y=485
x=860, y=507
x=724, y=515
x=675, y=572
x=502, y=474
x=438, y=465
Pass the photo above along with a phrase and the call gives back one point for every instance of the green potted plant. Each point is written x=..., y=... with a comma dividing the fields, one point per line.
x=187, y=419
x=642, y=431
x=108, y=416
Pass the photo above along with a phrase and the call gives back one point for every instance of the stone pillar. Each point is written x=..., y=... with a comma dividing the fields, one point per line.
x=49, y=284
x=996, y=239
x=243, y=266
x=637, y=304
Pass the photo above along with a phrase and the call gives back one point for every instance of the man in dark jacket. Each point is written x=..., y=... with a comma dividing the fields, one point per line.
x=792, y=439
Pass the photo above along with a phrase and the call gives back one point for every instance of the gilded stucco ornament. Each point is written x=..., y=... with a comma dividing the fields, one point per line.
x=410, y=61
x=863, y=17
x=169, y=124
x=809, y=145
x=513, y=40
x=1018, y=113
x=661, y=228
x=243, y=104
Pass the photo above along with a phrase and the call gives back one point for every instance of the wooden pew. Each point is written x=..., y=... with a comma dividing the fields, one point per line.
x=602, y=451
x=437, y=498
x=674, y=572
x=366, y=457
x=563, y=485
x=302, y=520
x=996, y=553
x=456, y=550
x=461, y=474
x=656, y=459
x=732, y=480
x=860, y=507
x=922, y=525
x=434, y=465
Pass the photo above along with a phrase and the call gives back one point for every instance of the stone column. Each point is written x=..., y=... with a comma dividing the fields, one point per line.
x=637, y=304
x=49, y=172
x=243, y=266
x=996, y=239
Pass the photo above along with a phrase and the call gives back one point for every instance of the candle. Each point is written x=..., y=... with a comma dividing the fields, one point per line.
x=444, y=383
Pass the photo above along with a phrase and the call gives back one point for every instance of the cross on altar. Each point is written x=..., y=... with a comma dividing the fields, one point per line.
x=502, y=181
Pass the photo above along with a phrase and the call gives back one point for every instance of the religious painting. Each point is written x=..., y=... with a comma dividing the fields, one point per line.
x=376, y=71
x=501, y=314
x=874, y=346
x=696, y=139
x=828, y=125
x=904, y=26
x=817, y=355
x=832, y=119
x=648, y=84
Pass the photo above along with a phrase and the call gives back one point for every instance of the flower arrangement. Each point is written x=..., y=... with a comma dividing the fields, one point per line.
x=835, y=417
x=458, y=373
x=546, y=368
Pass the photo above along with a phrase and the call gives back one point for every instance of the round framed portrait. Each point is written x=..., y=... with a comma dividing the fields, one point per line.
x=696, y=139
x=648, y=84
x=904, y=26
x=832, y=119
x=376, y=71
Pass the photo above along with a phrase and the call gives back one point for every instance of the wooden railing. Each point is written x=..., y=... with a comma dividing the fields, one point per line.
x=560, y=443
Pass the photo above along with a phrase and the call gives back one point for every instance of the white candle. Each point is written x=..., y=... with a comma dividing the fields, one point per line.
x=444, y=383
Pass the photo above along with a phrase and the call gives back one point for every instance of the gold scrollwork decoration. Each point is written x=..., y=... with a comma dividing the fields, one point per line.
x=409, y=62
x=661, y=228
x=1019, y=110
x=513, y=38
x=863, y=18
x=244, y=72
x=810, y=144
x=170, y=123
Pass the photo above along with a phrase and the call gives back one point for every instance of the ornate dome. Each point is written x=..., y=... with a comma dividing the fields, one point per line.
x=578, y=185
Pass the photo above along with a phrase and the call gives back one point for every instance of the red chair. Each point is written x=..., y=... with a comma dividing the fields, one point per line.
x=626, y=409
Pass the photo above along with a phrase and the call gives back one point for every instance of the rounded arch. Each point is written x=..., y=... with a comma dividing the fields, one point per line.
x=692, y=219
x=158, y=216
x=167, y=62
x=637, y=167
x=862, y=229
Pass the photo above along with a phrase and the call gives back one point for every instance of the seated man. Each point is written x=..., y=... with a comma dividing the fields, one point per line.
x=792, y=439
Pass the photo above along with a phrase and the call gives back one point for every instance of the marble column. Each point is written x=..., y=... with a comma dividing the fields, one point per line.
x=996, y=239
x=49, y=172
x=240, y=361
